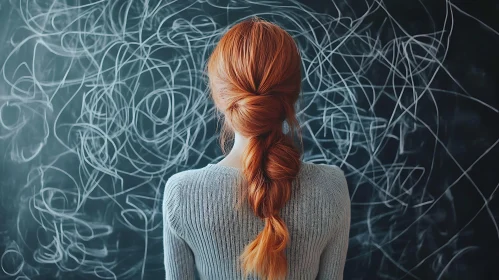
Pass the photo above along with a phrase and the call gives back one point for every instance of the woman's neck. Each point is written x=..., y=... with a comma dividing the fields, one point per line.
x=234, y=157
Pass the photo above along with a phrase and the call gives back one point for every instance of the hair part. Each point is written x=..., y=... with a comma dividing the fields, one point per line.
x=255, y=80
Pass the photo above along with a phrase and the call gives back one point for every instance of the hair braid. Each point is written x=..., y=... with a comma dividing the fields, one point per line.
x=255, y=80
x=271, y=162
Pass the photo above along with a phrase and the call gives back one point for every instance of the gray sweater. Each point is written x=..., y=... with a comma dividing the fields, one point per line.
x=204, y=232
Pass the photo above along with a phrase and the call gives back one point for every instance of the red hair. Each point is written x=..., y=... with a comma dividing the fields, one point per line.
x=255, y=80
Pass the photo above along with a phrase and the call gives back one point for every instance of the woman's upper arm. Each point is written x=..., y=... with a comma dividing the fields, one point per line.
x=333, y=258
x=178, y=256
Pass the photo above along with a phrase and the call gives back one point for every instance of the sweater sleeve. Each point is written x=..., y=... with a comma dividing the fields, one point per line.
x=178, y=257
x=333, y=258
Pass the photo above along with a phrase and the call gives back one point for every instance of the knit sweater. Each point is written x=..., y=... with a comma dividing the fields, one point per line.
x=204, y=232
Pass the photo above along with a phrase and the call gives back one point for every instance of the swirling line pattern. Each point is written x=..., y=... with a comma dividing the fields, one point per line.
x=101, y=101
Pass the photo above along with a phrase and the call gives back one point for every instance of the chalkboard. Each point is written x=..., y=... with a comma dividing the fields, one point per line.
x=102, y=101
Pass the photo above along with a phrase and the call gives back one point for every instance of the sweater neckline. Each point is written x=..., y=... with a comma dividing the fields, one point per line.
x=232, y=170
x=224, y=168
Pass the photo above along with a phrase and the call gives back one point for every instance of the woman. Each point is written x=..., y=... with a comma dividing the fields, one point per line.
x=260, y=213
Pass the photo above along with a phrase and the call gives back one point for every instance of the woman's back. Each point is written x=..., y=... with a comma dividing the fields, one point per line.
x=205, y=231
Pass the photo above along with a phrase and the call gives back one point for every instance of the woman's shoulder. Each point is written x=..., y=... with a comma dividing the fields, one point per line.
x=182, y=178
x=330, y=180
x=327, y=171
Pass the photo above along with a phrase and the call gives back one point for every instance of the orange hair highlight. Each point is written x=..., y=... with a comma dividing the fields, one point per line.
x=255, y=80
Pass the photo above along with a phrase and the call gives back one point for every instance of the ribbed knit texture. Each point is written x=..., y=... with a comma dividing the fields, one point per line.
x=204, y=232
